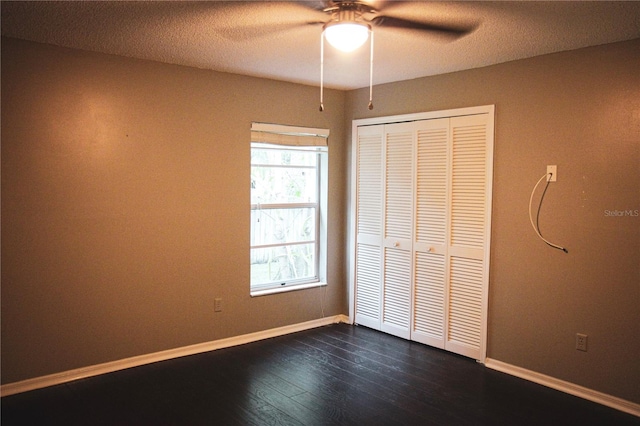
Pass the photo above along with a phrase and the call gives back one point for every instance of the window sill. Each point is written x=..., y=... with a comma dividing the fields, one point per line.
x=274, y=290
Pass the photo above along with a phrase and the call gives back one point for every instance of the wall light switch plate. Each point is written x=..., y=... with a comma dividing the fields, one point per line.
x=553, y=171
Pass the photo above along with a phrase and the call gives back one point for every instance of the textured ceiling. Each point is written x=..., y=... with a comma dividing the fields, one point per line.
x=279, y=40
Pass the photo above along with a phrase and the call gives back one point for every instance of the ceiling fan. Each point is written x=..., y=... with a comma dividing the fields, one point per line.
x=348, y=24
x=351, y=24
x=358, y=17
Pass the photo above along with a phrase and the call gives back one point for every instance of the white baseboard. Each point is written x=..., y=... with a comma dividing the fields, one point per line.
x=566, y=387
x=109, y=367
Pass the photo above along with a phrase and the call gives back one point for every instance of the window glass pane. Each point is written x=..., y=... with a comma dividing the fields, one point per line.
x=281, y=226
x=282, y=264
x=283, y=157
x=271, y=185
x=285, y=203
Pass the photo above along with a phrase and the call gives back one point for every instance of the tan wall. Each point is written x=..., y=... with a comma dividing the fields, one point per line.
x=124, y=211
x=579, y=110
x=125, y=196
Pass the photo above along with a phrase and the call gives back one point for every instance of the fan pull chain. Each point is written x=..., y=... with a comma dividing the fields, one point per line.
x=371, y=73
x=321, y=71
x=370, y=106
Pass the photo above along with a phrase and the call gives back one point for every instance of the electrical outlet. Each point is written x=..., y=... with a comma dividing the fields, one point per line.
x=217, y=304
x=552, y=173
x=581, y=342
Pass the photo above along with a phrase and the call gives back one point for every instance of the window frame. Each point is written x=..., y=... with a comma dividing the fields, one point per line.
x=288, y=138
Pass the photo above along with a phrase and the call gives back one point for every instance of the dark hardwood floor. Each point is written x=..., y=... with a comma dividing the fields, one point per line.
x=334, y=375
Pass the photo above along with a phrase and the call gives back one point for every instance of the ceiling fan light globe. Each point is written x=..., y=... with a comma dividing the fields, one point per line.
x=347, y=36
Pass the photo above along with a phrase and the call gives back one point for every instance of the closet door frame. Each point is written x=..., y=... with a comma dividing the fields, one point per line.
x=485, y=109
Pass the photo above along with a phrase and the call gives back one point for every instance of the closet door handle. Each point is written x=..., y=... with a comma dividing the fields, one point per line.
x=396, y=244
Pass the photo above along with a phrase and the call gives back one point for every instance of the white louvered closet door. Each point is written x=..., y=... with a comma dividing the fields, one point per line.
x=470, y=206
x=431, y=235
x=423, y=228
x=369, y=190
x=398, y=230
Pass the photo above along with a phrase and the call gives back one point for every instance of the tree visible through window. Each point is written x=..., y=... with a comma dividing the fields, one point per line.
x=285, y=214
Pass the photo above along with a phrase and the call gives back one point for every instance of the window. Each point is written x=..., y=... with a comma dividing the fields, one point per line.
x=288, y=207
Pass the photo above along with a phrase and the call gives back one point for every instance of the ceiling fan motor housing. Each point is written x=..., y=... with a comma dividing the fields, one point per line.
x=349, y=12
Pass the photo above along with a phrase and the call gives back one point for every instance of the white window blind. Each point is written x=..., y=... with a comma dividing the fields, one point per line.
x=277, y=134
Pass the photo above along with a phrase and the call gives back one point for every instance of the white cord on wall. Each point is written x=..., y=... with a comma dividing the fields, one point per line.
x=536, y=226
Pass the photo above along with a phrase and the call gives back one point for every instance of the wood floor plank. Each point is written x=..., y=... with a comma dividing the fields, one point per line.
x=411, y=381
x=334, y=375
x=323, y=382
x=414, y=398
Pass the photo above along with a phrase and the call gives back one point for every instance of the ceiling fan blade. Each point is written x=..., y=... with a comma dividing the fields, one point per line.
x=386, y=6
x=452, y=31
x=318, y=5
x=248, y=32
x=263, y=18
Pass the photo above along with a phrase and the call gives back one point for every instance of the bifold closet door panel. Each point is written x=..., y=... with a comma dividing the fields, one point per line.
x=430, y=243
x=398, y=229
x=467, y=265
x=369, y=187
